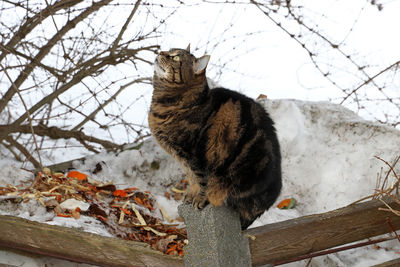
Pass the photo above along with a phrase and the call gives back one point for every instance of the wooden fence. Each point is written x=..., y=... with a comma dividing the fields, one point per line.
x=270, y=244
x=283, y=241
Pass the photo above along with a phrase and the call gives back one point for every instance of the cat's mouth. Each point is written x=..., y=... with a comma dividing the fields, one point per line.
x=158, y=69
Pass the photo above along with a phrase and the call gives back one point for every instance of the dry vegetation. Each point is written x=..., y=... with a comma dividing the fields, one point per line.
x=127, y=213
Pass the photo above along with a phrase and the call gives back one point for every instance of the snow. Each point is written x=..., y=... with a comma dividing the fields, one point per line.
x=328, y=161
x=10, y=172
x=133, y=167
x=11, y=258
x=329, y=153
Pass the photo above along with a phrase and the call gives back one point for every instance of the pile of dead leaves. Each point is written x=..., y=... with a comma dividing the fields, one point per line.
x=127, y=213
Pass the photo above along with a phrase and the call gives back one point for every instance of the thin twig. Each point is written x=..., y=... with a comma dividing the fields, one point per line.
x=330, y=251
x=389, y=222
x=24, y=151
x=121, y=33
x=31, y=159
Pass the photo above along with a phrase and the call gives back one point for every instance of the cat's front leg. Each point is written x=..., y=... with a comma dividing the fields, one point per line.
x=197, y=191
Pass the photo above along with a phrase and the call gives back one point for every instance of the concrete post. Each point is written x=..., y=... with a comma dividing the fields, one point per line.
x=215, y=238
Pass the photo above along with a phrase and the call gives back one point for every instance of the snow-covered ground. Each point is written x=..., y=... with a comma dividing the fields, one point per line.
x=328, y=162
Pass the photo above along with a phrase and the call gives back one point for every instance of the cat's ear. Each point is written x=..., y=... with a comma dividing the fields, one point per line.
x=200, y=64
x=188, y=48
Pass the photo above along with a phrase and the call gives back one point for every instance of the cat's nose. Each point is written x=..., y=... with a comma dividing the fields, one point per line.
x=163, y=53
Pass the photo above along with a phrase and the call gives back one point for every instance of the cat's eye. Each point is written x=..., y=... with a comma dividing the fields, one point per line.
x=176, y=58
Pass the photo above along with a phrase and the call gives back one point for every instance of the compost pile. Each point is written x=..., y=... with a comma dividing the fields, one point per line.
x=127, y=213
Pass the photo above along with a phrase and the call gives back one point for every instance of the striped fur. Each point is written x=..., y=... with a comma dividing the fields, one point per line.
x=225, y=140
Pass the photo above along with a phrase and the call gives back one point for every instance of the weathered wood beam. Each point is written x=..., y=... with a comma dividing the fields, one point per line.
x=75, y=245
x=289, y=239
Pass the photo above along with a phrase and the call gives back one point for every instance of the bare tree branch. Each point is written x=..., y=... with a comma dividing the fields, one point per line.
x=25, y=152
x=32, y=22
x=63, y=75
x=128, y=20
x=46, y=49
x=112, y=98
x=57, y=133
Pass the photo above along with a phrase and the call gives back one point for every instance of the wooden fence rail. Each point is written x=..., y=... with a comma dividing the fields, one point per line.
x=269, y=244
x=285, y=240
x=75, y=245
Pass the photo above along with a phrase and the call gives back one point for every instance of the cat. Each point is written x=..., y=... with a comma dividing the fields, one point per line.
x=225, y=141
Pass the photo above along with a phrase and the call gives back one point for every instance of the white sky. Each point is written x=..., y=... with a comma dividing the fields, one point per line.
x=271, y=62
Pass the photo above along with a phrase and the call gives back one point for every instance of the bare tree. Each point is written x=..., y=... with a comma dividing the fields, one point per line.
x=373, y=87
x=58, y=78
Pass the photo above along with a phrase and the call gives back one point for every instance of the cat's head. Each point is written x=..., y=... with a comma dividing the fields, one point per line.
x=178, y=67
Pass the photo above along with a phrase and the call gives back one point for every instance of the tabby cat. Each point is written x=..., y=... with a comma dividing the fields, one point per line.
x=225, y=140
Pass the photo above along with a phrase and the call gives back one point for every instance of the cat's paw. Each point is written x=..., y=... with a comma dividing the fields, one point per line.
x=199, y=202
x=188, y=199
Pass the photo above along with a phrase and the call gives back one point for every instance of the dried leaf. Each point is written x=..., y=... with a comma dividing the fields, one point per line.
x=94, y=209
x=58, y=174
x=75, y=214
x=164, y=213
x=143, y=222
x=77, y=175
x=120, y=193
x=109, y=187
x=138, y=200
x=176, y=190
x=288, y=203
x=172, y=249
x=162, y=244
x=127, y=212
x=122, y=214
x=63, y=215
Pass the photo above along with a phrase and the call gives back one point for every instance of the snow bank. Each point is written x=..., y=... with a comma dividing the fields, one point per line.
x=328, y=161
x=329, y=153
x=145, y=166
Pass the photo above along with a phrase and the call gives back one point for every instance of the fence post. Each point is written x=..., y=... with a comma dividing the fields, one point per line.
x=215, y=238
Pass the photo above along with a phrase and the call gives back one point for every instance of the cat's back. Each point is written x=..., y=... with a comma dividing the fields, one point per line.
x=238, y=128
x=251, y=112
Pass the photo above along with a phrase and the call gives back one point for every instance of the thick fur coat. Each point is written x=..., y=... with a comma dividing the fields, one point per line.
x=226, y=141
